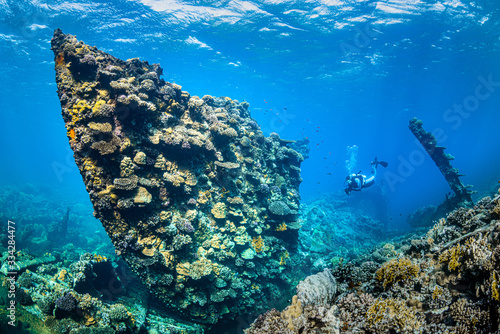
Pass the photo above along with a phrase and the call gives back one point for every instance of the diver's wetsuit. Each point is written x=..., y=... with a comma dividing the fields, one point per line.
x=360, y=181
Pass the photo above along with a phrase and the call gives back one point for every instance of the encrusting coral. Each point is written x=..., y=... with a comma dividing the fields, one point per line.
x=180, y=178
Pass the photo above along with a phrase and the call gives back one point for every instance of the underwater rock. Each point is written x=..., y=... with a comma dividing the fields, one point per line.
x=177, y=180
x=317, y=289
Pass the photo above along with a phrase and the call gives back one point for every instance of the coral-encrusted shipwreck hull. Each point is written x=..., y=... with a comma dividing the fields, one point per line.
x=198, y=202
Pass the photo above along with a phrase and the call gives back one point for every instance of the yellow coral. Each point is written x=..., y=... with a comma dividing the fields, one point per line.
x=80, y=106
x=396, y=270
x=396, y=311
x=438, y=291
x=283, y=258
x=164, y=215
x=258, y=244
x=281, y=227
x=219, y=210
x=140, y=158
x=62, y=275
x=241, y=239
x=150, y=244
x=204, y=196
x=215, y=241
x=452, y=256
x=97, y=106
x=291, y=313
x=494, y=287
x=189, y=177
x=182, y=270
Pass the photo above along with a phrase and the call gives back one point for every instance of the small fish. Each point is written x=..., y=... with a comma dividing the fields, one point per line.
x=328, y=173
x=285, y=108
x=318, y=182
x=325, y=158
x=317, y=130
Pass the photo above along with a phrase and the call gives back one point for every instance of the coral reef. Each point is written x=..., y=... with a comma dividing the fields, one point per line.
x=177, y=180
x=112, y=301
x=396, y=270
x=309, y=312
x=446, y=281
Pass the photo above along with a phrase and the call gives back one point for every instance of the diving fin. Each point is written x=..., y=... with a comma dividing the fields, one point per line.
x=376, y=163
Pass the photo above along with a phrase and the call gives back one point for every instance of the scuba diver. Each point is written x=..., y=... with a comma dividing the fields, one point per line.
x=359, y=181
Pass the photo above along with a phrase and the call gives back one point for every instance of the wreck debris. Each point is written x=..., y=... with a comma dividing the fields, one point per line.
x=163, y=170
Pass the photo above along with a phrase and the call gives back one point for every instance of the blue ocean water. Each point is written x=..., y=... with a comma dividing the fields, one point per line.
x=341, y=73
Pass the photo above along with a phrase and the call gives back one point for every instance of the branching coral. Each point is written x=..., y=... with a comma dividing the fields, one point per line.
x=396, y=270
x=452, y=256
x=387, y=315
x=258, y=244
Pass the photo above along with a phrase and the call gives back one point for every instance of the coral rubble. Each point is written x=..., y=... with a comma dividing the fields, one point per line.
x=191, y=193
